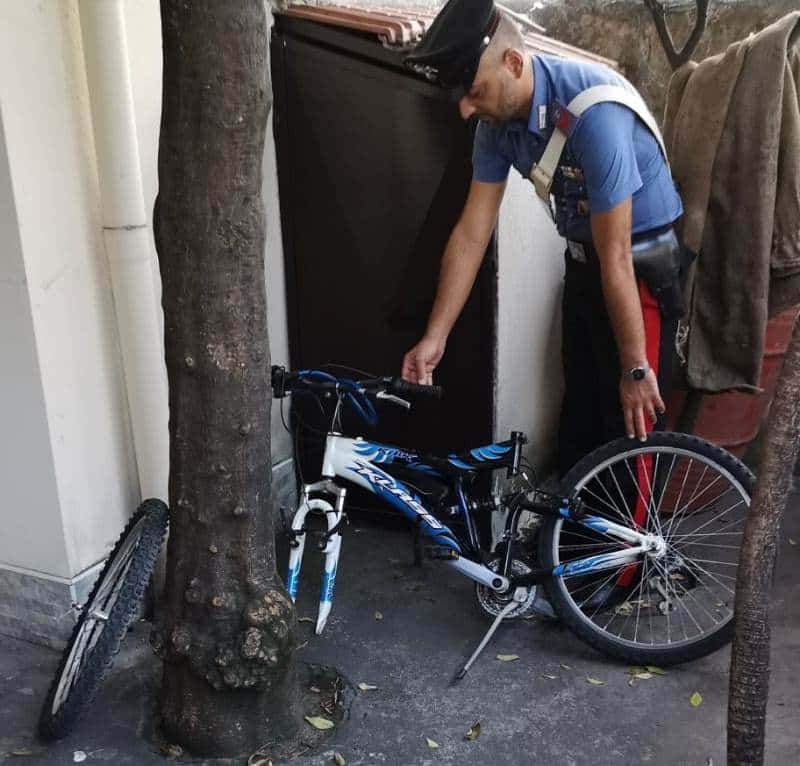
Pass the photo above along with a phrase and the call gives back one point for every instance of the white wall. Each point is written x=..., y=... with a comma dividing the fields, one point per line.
x=27, y=474
x=531, y=273
x=143, y=26
x=276, y=293
x=48, y=138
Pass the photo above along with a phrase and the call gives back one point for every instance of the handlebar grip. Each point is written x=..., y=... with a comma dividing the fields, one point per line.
x=404, y=388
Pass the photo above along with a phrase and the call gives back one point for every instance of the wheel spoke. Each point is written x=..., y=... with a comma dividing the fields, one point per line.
x=677, y=596
x=720, y=515
x=96, y=614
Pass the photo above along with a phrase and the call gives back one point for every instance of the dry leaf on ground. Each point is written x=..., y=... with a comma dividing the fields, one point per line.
x=474, y=731
x=318, y=722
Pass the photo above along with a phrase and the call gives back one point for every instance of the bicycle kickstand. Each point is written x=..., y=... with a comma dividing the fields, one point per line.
x=520, y=594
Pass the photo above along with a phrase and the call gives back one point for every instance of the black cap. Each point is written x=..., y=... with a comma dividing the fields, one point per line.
x=455, y=41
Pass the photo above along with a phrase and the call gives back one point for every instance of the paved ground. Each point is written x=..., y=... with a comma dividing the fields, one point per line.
x=429, y=625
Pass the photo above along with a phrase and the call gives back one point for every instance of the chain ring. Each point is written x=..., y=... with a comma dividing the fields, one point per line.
x=492, y=602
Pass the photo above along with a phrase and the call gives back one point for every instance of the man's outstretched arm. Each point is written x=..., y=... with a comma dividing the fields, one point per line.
x=611, y=235
x=460, y=263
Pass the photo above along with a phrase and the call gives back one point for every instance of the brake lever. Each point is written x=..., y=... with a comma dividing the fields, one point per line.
x=393, y=398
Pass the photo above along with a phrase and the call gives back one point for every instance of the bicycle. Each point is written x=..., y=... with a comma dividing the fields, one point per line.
x=614, y=550
x=637, y=553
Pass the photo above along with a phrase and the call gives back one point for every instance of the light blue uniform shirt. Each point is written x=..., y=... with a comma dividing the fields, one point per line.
x=610, y=154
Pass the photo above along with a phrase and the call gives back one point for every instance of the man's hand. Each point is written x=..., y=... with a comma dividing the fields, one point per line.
x=611, y=234
x=640, y=400
x=420, y=362
x=460, y=263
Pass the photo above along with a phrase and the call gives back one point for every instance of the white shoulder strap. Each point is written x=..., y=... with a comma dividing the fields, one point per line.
x=543, y=171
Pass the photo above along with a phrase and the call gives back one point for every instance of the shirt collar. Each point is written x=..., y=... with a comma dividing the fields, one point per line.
x=541, y=96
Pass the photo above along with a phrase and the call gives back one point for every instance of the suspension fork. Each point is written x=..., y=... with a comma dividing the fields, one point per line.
x=330, y=546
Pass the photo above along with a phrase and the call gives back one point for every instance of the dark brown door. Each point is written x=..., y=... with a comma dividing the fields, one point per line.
x=374, y=167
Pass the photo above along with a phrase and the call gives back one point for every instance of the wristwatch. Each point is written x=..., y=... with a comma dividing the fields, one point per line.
x=636, y=373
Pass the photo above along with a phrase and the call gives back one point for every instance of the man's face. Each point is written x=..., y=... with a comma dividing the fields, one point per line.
x=492, y=96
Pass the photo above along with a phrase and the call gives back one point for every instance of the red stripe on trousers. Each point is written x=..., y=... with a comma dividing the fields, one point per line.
x=644, y=465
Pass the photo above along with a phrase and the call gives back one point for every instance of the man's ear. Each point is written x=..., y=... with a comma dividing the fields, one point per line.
x=514, y=62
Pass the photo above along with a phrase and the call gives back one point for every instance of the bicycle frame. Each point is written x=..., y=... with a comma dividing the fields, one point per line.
x=357, y=460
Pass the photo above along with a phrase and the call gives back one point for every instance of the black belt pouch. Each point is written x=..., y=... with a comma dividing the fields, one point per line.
x=662, y=261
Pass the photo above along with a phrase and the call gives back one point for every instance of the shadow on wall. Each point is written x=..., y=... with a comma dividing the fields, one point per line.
x=624, y=30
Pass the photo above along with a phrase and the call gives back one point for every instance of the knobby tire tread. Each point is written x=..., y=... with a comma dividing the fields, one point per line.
x=564, y=607
x=57, y=726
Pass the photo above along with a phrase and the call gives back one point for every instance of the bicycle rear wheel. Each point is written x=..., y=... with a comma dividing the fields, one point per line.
x=669, y=608
x=104, y=620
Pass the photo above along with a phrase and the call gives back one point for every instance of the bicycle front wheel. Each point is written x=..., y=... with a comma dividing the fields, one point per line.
x=104, y=620
x=665, y=609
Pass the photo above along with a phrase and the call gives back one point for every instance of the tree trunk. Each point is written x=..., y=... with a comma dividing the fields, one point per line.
x=228, y=629
x=749, y=680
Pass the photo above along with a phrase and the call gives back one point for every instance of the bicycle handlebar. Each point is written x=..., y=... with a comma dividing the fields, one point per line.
x=404, y=388
x=319, y=380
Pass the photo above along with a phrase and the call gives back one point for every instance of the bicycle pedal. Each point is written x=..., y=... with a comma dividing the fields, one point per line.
x=440, y=552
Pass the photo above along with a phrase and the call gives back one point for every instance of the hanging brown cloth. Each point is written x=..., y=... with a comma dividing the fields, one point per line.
x=732, y=130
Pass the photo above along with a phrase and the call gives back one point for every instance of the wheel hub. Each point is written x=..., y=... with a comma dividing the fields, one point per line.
x=656, y=546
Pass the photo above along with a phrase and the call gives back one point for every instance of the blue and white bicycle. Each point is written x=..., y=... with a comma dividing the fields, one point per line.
x=637, y=553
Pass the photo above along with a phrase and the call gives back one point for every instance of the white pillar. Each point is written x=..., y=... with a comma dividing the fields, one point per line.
x=127, y=236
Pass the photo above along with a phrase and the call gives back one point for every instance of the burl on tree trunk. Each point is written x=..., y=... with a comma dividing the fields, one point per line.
x=228, y=629
x=749, y=680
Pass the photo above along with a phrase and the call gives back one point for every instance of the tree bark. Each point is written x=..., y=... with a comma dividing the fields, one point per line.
x=228, y=630
x=749, y=677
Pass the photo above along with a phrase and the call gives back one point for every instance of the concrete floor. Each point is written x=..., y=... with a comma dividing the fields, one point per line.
x=430, y=624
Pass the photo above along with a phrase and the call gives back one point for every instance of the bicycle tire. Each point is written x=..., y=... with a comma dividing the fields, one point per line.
x=575, y=616
x=91, y=649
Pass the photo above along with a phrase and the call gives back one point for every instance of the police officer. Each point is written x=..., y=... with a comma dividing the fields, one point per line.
x=612, y=195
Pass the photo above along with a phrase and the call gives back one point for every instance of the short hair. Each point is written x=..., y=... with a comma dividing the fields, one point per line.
x=507, y=35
